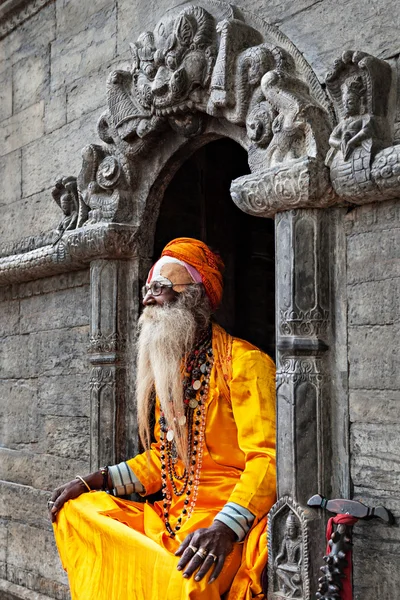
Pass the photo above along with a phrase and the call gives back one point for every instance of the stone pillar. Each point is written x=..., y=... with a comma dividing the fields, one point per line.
x=303, y=399
x=114, y=313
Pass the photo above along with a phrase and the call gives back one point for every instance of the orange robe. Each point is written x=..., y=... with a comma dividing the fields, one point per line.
x=114, y=549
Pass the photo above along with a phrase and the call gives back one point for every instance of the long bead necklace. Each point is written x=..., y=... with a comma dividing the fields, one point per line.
x=195, y=392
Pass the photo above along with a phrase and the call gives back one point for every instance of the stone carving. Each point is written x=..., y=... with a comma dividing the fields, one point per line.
x=112, y=343
x=198, y=64
x=313, y=322
x=65, y=193
x=76, y=249
x=296, y=370
x=364, y=165
x=101, y=377
x=288, y=551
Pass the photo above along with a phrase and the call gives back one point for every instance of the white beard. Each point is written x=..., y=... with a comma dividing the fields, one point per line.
x=166, y=335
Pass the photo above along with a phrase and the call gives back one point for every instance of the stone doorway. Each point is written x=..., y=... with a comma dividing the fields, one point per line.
x=197, y=203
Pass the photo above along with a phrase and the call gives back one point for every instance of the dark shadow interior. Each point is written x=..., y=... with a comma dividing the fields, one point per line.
x=197, y=204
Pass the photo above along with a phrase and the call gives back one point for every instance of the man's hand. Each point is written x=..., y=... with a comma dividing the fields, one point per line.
x=205, y=548
x=65, y=492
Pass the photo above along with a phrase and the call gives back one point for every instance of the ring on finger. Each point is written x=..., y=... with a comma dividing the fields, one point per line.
x=202, y=552
x=213, y=556
x=50, y=503
x=193, y=548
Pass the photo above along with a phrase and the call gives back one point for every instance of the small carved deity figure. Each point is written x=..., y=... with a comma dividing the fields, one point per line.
x=356, y=128
x=289, y=560
x=66, y=195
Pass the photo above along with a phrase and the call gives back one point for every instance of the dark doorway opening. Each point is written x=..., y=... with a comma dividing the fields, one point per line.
x=197, y=204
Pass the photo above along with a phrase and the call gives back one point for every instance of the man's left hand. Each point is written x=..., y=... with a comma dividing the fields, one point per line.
x=204, y=549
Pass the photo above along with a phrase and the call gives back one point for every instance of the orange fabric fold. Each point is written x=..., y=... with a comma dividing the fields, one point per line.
x=208, y=264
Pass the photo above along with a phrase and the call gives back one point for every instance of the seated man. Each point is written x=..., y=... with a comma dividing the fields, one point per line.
x=213, y=458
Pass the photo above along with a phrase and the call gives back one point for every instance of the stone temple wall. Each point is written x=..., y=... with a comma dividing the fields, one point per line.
x=53, y=68
x=373, y=288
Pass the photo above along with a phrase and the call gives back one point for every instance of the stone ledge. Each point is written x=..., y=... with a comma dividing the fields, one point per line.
x=12, y=591
x=73, y=251
x=15, y=12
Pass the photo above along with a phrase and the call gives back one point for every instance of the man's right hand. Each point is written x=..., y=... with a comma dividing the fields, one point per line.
x=62, y=494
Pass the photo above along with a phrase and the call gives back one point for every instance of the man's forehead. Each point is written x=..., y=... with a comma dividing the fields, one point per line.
x=177, y=271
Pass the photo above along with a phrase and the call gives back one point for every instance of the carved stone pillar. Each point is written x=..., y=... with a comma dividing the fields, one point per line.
x=114, y=312
x=303, y=398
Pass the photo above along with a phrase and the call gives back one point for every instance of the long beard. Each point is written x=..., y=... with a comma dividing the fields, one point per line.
x=166, y=335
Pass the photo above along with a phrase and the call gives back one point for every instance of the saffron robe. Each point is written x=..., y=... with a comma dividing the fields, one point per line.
x=115, y=549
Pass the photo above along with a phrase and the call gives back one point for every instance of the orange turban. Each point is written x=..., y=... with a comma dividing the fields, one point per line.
x=198, y=255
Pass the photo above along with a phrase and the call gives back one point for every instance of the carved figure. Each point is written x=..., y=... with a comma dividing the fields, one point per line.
x=65, y=193
x=300, y=127
x=359, y=86
x=289, y=560
x=356, y=128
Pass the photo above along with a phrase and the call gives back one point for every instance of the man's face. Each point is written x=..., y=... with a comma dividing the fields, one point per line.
x=167, y=296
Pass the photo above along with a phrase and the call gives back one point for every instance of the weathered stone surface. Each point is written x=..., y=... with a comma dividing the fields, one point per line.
x=25, y=504
x=321, y=44
x=66, y=308
x=12, y=591
x=85, y=95
x=49, y=472
x=64, y=396
x=58, y=154
x=77, y=55
x=66, y=437
x=375, y=455
x=375, y=406
x=373, y=256
x=29, y=80
x=3, y=540
x=52, y=352
x=9, y=317
x=10, y=177
x=45, y=286
x=26, y=548
x=32, y=36
x=374, y=302
x=18, y=411
x=55, y=110
x=373, y=357
x=33, y=215
x=375, y=567
x=5, y=94
x=22, y=128
x=72, y=15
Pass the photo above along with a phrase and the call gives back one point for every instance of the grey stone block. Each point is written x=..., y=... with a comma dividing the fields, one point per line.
x=18, y=412
x=25, y=504
x=3, y=540
x=374, y=571
x=10, y=178
x=374, y=302
x=55, y=110
x=29, y=80
x=65, y=308
x=373, y=256
x=45, y=286
x=374, y=452
x=320, y=34
x=56, y=154
x=135, y=17
x=79, y=54
x=373, y=217
x=31, y=548
x=48, y=473
x=54, y=352
x=31, y=37
x=22, y=128
x=66, y=437
x=5, y=94
x=374, y=357
x=64, y=396
x=12, y=591
x=9, y=317
x=29, y=216
x=72, y=15
x=375, y=406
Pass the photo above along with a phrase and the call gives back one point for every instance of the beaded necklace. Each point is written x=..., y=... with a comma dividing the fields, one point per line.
x=196, y=382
